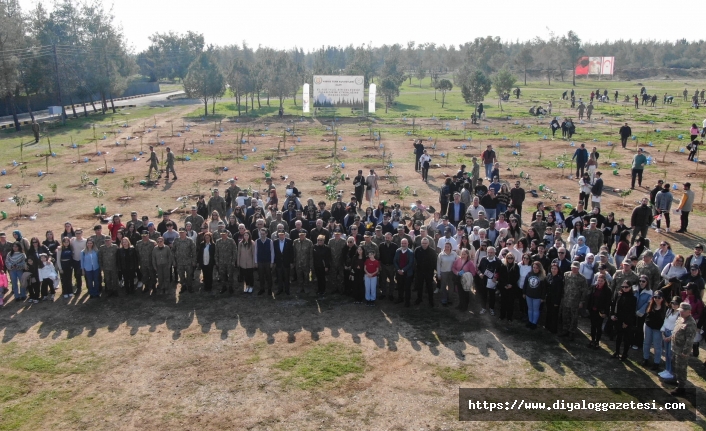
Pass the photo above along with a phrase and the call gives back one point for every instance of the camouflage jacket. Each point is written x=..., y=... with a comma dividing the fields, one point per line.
x=302, y=252
x=184, y=251
x=108, y=257
x=575, y=289
x=226, y=250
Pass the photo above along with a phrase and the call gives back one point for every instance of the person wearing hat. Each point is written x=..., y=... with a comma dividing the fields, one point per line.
x=400, y=235
x=697, y=258
x=217, y=203
x=98, y=237
x=108, y=262
x=226, y=251
x=144, y=249
x=694, y=277
x=682, y=337
x=686, y=204
x=670, y=321
x=154, y=163
x=593, y=236
x=135, y=221
x=336, y=246
x=622, y=315
x=303, y=249
x=654, y=320
x=575, y=291
x=184, y=251
x=152, y=232
x=378, y=236
x=233, y=192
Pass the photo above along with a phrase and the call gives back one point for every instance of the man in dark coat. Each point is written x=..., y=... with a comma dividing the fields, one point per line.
x=625, y=133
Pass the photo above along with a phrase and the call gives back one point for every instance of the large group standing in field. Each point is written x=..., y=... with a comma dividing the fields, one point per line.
x=543, y=266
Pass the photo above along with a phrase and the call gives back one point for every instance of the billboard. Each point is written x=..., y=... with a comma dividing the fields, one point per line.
x=595, y=66
x=338, y=91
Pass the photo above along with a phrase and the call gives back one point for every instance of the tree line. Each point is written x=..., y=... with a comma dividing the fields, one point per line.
x=74, y=53
x=78, y=54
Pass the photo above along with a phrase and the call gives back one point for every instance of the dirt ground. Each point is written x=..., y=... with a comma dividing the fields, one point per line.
x=194, y=362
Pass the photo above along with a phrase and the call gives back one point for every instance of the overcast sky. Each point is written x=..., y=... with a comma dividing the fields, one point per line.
x=310, y=24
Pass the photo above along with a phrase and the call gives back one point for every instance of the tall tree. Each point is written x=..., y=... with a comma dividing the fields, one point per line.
x=525, y=59
x=503, y=81
x=444, y=86
x=572, y=49
x=476, y=87
x=11, y=44
x=204, y=80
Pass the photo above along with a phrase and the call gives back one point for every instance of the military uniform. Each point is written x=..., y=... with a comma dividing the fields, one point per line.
x=371, y=247
x=170, y=164
x=336, y=273
x=35, y=131
x=144, y=256
x=162, y=264
x=226, y=250
x=303, y=249
x=594, y=239
x=397, y=239
x=154, y=163
x=184, y=251
x=154, y=236
x=575, y=290
x=108, y=261
x=682, y=339
x=98, y=241
x=233, y=191
x=273, y=227
x=196, y=222
x=217, y=203
x=378, y=240
x=631, y=278
x=651, y=271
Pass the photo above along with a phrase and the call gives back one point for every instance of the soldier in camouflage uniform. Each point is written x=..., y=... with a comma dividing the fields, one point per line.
x=153, y=161
x=226, y=251
x=625, y=274
x=170, y=163
x=184, y=251
x=400, y=235
x=108, y=262
x=303, y=249
x=98, y=238
x=162, y=264
x=144, y=256
x=682, y=338
x=379, y=237
x=648, y=268
x=195, y=219
x=152, y=232
x=218, y=204
x=369, y=246
x=575, y=291
x=337, y=245
x=594, y=237
x=233, y=191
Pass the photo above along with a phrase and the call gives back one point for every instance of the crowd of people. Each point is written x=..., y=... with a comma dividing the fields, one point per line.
x=543, y=266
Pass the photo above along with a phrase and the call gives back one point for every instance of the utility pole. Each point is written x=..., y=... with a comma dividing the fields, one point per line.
x=58, y=86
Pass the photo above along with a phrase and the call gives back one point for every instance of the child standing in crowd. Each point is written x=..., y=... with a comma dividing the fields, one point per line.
x=372, y=268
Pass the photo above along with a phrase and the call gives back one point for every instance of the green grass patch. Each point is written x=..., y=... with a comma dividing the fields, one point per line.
x=13, y=386
x=454, y=374
x=64, y=357
x=322, y=365
x=27, y=413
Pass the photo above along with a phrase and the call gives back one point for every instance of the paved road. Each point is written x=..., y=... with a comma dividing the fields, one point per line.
x=149, y=100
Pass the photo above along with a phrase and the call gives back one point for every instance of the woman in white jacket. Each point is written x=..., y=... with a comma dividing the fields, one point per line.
x=47, y=277
x=670, y=320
